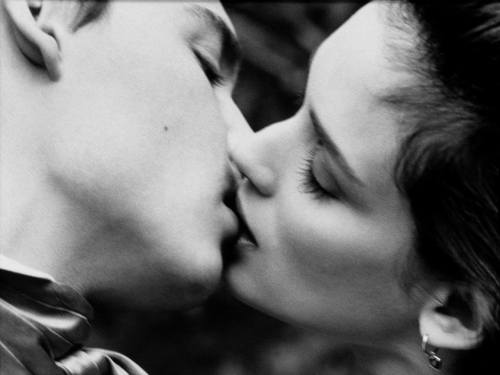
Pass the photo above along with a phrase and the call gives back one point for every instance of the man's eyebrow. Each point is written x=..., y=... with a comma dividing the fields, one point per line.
x=231, y=49
x=334, y=150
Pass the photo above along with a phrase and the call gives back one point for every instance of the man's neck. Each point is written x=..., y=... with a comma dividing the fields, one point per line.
x=47, y=231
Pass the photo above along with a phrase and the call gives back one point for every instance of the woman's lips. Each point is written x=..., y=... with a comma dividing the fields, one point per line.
x=245, y=234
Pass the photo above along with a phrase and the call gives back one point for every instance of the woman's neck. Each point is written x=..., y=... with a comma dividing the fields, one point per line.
x=369, y=361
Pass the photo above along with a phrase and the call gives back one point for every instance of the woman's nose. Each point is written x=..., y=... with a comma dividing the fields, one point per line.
x=241, y=148
x=244, y=153
x=260, y=156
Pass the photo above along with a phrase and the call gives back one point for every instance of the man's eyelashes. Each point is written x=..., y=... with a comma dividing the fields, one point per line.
x=211, y=72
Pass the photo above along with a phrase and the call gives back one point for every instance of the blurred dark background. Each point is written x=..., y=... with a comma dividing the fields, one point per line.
x=278, y=39
x=224, y=337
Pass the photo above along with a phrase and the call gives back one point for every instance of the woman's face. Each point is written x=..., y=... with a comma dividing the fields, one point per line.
x=332, y=232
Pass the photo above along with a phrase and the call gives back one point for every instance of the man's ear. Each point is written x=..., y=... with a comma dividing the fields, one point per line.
x=40, y=44
x=453, y=318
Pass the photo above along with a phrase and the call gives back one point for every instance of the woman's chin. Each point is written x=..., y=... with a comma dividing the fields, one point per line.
x=239, y=275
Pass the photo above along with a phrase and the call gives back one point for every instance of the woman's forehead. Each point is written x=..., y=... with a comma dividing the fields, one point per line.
x=350, y=75
x=361, y=54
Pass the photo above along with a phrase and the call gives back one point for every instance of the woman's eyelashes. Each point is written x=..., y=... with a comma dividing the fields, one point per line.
x=211, y=72
x=309, y=184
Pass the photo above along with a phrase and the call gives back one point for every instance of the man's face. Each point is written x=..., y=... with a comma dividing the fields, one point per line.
x=135, y=132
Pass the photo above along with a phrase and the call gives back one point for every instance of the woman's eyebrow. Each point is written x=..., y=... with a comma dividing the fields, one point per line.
x=334, y=150
x=231, y=50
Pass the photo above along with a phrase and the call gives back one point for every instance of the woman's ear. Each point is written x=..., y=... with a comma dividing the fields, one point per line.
x=40, y=44
x=453, y=318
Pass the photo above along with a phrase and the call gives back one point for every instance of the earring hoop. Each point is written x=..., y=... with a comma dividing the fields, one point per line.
x=434, y=360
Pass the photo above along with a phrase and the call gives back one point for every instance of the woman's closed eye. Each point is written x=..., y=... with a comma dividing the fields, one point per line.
x=310, y=184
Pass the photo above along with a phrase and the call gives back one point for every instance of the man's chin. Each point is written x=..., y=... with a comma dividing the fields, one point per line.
x=172, y=292
x=106, y=302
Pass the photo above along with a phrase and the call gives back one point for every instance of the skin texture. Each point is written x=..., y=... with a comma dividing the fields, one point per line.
x=333, y=263
x=113, y=175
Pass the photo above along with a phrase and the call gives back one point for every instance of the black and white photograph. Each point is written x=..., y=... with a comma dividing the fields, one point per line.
x=249, y=188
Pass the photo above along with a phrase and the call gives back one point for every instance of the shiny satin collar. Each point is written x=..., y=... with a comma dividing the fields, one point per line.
x=44, y=325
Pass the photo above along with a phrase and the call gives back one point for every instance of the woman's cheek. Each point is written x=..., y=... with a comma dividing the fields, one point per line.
x=324, y=243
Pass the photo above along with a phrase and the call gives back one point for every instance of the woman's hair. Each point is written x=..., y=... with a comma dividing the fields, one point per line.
x=448, y=162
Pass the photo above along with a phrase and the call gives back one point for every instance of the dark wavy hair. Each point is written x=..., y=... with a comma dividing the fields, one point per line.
x=448, y=162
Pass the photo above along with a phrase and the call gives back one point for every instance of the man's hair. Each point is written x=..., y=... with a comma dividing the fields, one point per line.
x=448, y=160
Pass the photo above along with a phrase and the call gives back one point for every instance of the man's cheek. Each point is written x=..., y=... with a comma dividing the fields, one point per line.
x=112, y=176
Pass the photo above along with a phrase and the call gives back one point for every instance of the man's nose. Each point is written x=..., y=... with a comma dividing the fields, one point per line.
x=233, y=118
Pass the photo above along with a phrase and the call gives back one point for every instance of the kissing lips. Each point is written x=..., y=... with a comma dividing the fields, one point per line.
x=245, y=236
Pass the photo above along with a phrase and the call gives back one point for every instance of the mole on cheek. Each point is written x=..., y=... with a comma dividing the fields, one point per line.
x=165, y=128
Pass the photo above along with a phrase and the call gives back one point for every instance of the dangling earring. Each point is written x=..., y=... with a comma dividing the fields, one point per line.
x=434, y=360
